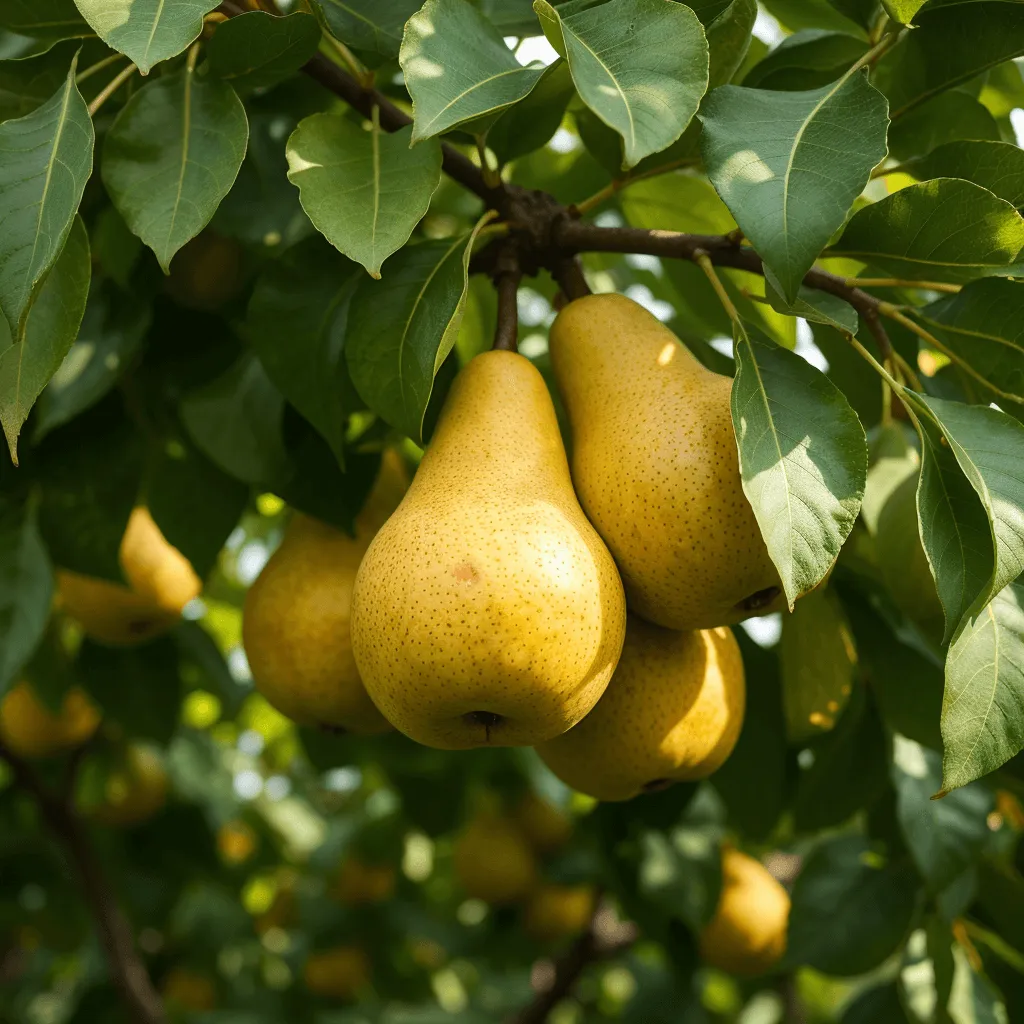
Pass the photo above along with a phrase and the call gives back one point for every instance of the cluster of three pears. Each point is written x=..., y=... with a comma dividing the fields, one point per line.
x=489, y=610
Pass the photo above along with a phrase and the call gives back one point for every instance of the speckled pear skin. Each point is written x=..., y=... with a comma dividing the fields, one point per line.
x=672, y=713
x=487, y=610
x=656, y=469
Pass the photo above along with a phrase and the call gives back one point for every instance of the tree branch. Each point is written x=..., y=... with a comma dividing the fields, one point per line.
x=506, y=281
x=126, y=967
x=605, y=937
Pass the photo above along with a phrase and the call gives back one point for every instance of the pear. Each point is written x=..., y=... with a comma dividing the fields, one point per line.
x=655, y=467
x=296, y=623
x=747, y=935
x=160, y=583
x=30, y=729
x=338, y=973
x=493, y=860
x=557, y=911
x=672, y=712
x=136, y=791
x=487, y=609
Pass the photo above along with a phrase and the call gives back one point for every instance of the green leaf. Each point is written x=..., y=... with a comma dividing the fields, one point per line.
x=989, y=446
x=803, y=459
x=26, y=591
x=45, y=161
x=43, y=19
x=395, y=347
x=818, y=659
x=946, y=229
x=458, y=68
x=146, y=31
x=806, y=60
x=110, y=336
x=370, y=24
x=997, y=166
x=903, y=11
x=982, y=329
x=260, y=49
x=531, y=122
x=27, y=366
x=801, y=14
x=974, y=999
x=236, y=421
x=850, y=912
x=944, y=836
x=29, y=82
x=297, y=324
x=951, y=44
x=640, y=65
x=171, y=156
x=790, y=164
x=681, y=872
x=880, y=1004
x=729, y=41
x=195, y=504
x=954, y=527
x=364, y=190
x=812, y=304
x=982, y=713
x=948, y=117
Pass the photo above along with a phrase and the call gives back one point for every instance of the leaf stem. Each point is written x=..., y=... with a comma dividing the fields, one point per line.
x=92, y=69
x=490, y=173
x=896, y=282
x=362, y=74
x=893, y=383
x=616, y=185
x=703, y=260
x=110, y=88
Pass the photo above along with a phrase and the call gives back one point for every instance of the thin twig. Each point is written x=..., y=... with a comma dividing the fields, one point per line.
x=126, y=967
x=352, y=62
x=506, y=282
x=92, y=69
x=110, y=88
x=895, y=282
x=703, y=260
x=618, y=184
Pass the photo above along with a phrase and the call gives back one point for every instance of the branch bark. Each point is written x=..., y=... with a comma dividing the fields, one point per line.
x=127, y=970
x=506, y=282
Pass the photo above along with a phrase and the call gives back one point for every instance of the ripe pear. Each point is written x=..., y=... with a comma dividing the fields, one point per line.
x=136, y=791
x=655, y=467
x=493, y=861
x=558, y=911
x=30, y=729
x=747, y=935
x=487, y=609
x=339, y=973
x=361, y=883
x=672, y=712
x=295, y=627
x=160, y=583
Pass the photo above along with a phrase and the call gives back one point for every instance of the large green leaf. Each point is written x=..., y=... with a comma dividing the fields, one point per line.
x=530, y=123
x=729, y=40
x=949, y=117
x=818, y=660
x=954, y=527
x=790, y=164
x=365, y=190
x=944, y=836
x=803, y=459
x=26, y=591
x=806, y=60
x=43, y=19
x=147, y=31
x=260, y=49
x=398, y=339
x=849, y=912
x=903, y=11
x=29, y=82
x=997, y=166
x=640, y=65
x=983, y=329
x=297, y=324
x=45, y=161
x=951, y=44
x=27, y=366
x=458, y=68
x=370, y=24
x=171, y=156
x=983, y=711
x=946, y=229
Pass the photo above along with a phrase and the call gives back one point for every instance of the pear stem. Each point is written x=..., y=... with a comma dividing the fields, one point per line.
x=506, y=282
x=569, y=275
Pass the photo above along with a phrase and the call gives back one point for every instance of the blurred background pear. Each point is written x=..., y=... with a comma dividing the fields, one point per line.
x=493, y=860
x=30, y=729
x=136, y=790
x=555, y=912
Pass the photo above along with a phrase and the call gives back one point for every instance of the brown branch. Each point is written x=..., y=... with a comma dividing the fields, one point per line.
x=569, y=275
x=506, y=281
x=127, y=970
x=605, y=937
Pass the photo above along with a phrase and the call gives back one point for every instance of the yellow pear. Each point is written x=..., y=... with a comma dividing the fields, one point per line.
x=339, y=973
x=160, y=583
x=672, y=712
x=30, y=729
x=189, y=990
x=747, y=935
x=360, y=883
x=558, y=911
x=493, y=861
x=655, y=467
x=545, y=826
x=295, y=627
x=136, y=791
x=487, y=609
